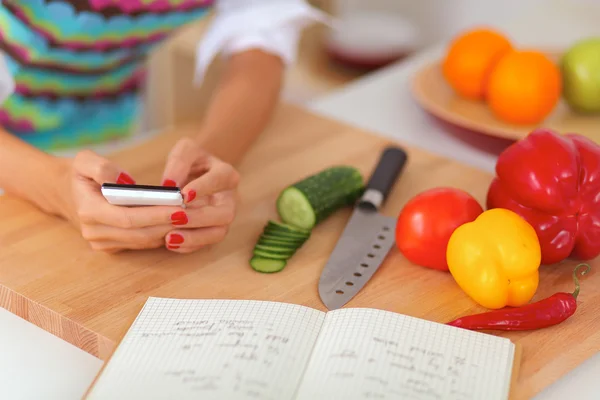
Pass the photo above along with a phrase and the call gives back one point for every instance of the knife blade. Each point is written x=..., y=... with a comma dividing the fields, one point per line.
x=367, y=237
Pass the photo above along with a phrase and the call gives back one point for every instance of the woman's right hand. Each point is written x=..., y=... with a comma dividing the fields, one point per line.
x=105, y=226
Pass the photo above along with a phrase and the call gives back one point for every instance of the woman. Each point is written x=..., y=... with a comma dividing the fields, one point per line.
x=71, y=74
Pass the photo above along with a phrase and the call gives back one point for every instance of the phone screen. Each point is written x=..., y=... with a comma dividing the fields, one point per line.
x=141, y=187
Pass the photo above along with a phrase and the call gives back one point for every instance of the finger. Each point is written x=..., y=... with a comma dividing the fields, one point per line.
x=115, y=247
x=203, y=217
x=95, y=210
x=180, y=161
x=92, y=166
x=142, y=238
x=217, y=199
x=187, y=241
x=220, y=177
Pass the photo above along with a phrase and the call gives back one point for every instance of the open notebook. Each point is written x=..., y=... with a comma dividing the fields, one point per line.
x=238, y=349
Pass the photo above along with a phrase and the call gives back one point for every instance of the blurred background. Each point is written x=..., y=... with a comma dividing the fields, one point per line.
x=377, y=31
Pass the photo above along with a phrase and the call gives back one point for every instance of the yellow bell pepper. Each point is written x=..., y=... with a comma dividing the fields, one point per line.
x=495, y=259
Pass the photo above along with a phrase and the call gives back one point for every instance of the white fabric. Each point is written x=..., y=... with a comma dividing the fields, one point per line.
x=273, y=26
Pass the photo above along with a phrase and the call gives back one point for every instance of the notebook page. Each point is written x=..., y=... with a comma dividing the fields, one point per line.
x=373, y=354
x=211, y=349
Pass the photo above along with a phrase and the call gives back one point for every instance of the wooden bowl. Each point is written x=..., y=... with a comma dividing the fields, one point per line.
x=435, y=96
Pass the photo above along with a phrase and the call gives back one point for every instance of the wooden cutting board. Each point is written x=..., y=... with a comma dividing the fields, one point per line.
x=50, y=277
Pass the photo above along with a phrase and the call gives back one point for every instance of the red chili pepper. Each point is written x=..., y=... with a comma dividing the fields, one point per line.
x=547, y=312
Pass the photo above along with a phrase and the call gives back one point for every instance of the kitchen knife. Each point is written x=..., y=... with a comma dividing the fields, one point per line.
x=367, y=238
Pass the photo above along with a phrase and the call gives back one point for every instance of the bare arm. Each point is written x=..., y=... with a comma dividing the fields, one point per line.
x=242, y=104
x=29, y=173
x=260, y=40
x=25, y=171
x=250, y=85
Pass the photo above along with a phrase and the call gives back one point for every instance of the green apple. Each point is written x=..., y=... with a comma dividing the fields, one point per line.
x=580, y=67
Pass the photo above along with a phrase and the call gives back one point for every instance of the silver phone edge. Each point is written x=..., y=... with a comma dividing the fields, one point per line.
x=128, y=197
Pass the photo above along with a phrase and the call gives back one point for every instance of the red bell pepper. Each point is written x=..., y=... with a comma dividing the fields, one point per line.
x=553, y=181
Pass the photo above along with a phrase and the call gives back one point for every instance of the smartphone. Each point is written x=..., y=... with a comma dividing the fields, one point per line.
x=141, y=195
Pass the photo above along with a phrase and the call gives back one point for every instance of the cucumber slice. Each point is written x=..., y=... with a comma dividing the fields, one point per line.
x=267, y=265
x=269, y=255
x=290, y=235
x=279, y=243
x=275, y=250
x=311, y=200
x=278, y=226
x=295, y=207
x=274, y=228
x=279, y=238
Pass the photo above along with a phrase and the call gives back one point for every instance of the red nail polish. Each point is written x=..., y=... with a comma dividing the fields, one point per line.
x=191, y=195
x=179, y=218
x=172, y=247
x=175, y=238
x=169, y=182
x=125, y=179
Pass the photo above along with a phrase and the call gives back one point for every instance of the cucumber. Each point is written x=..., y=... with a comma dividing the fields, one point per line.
x=301, y=206
x=308, y=202
x=267, y=265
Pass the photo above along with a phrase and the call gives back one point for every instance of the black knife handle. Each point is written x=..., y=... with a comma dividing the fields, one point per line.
x=382, y=180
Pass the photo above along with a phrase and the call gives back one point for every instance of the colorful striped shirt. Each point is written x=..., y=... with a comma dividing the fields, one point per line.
x=75, y=67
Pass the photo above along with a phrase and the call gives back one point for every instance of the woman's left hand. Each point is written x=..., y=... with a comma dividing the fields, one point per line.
x=208, y=185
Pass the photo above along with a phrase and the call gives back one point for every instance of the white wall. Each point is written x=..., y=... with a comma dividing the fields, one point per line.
x=439, y=20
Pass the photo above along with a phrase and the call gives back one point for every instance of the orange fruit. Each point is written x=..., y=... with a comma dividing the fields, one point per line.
x=470, y=59
x=524, y=87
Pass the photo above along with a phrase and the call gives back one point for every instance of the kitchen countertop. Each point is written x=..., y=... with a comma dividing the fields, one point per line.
x=57, y=295
x=36, y=364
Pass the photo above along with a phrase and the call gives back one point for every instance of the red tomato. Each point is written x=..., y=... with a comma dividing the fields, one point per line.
x=427, y=221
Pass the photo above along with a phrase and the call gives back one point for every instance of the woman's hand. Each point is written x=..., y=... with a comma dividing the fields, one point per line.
x=209, y=188
x=105, y=226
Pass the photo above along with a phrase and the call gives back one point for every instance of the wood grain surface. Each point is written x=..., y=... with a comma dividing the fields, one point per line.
x=435, y=96
x=50, y=277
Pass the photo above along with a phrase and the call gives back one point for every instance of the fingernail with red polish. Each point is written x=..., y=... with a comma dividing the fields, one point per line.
x=190, y=196
x=125, y=179
x=169, y=182
x=179, y=218
x=172, y=247
x=175, y=238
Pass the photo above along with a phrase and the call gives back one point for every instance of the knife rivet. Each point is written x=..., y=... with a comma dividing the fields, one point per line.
x=385, y=228
x=370, y=255
x=339, y=291
x=364, y=265
x=357, y=274
x=349, y=284
x=380, y=237
x=376, y=246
